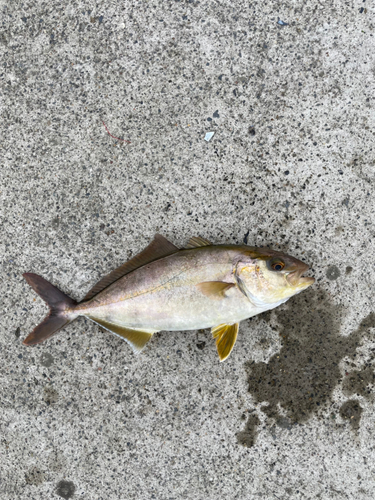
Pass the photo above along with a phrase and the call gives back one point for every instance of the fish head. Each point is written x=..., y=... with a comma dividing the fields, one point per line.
x=271, y=277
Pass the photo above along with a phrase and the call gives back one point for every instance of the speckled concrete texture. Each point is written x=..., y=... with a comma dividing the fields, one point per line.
x=288, y=90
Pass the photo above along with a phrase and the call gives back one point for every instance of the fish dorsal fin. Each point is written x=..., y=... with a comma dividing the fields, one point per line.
x=214, y=289
x=158, y=248
x=137, y=339
x=226, y=336
x=197, y=241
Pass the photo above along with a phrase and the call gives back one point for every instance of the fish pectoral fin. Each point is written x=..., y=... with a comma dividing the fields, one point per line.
x=226, y=336
x=197, y=241
x=214, y=289
x=137, y=339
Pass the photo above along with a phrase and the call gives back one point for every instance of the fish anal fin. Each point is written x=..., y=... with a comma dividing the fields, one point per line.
x=197, y=241
x=214, y=289
x=137, y=339
x=226, y=336
x=158, y=248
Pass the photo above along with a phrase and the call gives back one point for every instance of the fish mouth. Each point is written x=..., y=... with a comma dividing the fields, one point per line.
x=296, y=279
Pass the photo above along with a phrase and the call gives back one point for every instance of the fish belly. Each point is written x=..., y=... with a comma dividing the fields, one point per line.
x=175, y=311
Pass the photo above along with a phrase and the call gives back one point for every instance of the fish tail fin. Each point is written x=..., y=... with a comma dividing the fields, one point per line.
x=61, y=309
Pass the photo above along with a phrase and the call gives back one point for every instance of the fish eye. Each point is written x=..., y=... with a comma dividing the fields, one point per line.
x=278, y=265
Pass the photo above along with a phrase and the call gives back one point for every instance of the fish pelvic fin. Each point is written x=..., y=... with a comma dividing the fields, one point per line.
x=137, y=339
x=226, y=336
x=214, y=289
x=61, y=309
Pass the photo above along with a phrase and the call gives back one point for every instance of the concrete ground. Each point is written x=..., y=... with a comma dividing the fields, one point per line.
x=288, y=90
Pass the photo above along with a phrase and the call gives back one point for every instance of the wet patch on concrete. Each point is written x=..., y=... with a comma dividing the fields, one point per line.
x=359, y=382
x=65, y=489
x=35, y=477
x=248, y=436
x=302, y=376
x=50, y=395
x=284, y=423
x=351, y=410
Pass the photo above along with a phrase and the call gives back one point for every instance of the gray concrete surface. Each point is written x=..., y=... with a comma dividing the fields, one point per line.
x=290, y=415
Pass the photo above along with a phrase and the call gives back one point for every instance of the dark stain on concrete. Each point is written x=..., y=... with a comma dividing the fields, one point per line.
x=65, y=489
x=302, y=376
x=248, y=436
x=46, y=359
x=351, y=410
x=333, y=273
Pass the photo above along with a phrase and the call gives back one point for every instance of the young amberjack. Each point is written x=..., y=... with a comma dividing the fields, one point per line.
x=167, y=288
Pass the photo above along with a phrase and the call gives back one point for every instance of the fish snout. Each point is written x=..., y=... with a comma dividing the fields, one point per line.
x=302, y=267
x=296, y=279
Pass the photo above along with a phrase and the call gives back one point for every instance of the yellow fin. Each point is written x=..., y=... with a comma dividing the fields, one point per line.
x=137, y=339
x=197, y=241
x=214, y=289
x=226, y=336
x=158, y=248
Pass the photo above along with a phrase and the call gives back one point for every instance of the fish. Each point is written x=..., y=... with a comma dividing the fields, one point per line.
x=165, y=288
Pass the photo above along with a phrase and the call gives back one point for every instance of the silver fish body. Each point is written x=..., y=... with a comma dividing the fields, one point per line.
x=165, y=288
x=163, y=295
